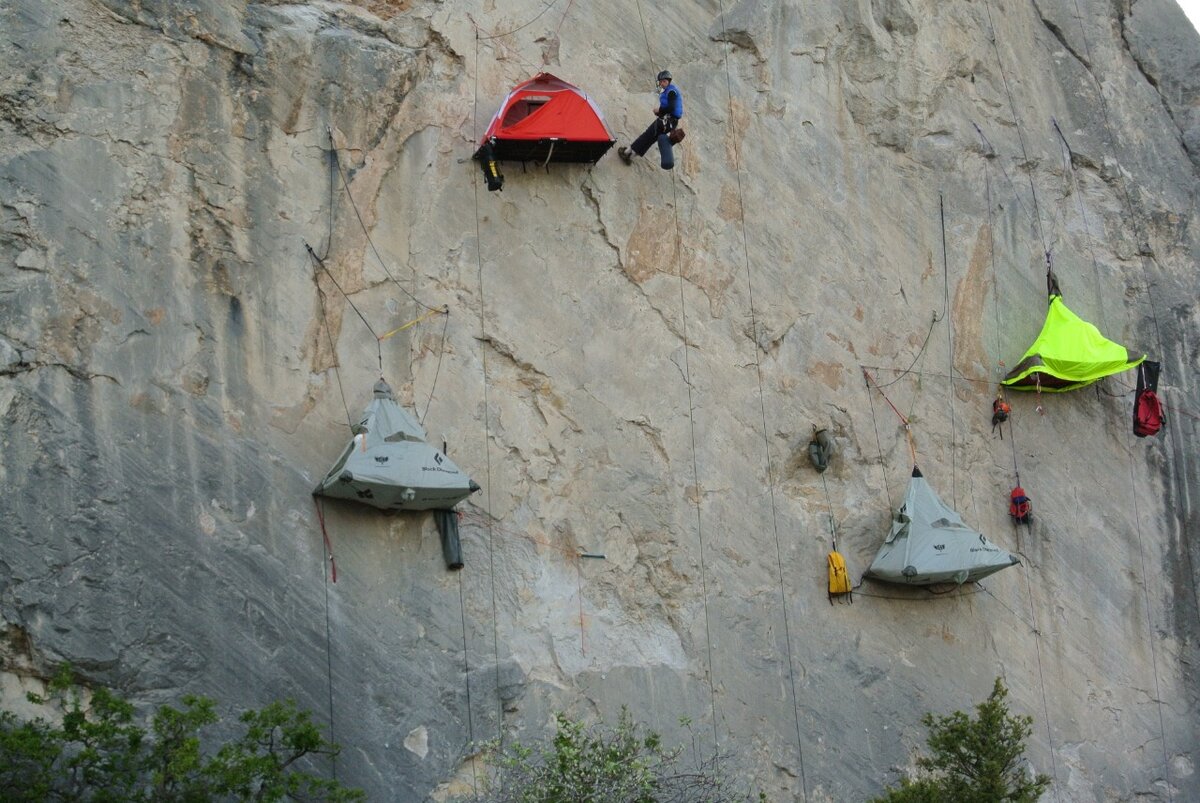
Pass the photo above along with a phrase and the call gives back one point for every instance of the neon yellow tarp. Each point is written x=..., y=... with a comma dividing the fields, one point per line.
x=1068, y=354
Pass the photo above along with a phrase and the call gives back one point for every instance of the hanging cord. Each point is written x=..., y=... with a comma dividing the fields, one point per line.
x=1143, y=247
x=919, y=354
x=321, y=263
x=1145, y=254
x=878, y=442
x=787, y=628
x=487, y=434
x=332, y=173
x=547, y=7
x=328, y=629
x=1150, y=631
x=462, y=608
x=484, y=519
x=362, y=223
x=1049, y=274
x=1020, y=135
x=1069, y=164
x=335, y=167
x=990, y=153
x=333, y=352
x=832, y=521
x=1000, y=366
x=687, y=378
x=950, y=348
x=912, y=446
x=438, y=371
x=645, y=34
x=564, y=19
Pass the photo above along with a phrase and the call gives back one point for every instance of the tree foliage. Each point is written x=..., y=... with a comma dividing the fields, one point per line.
x=94, y=750
x=625, y=763
x=974, y=760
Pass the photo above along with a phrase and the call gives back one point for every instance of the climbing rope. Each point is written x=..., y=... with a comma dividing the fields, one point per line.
x=1012, y=431
x=878, y=442
x=919, y=354
x=333, y=354
x=1143, y=246
x=787, y=629
x=687, y=379
x=1069, y=167
x=1020, y=134
x=950, y=348
x=366, y=232
x=1150, y=630
x=522, y=27
x=912, y=446
x=321, y=263
x=486, y=521
x=487, y=434
x=462, y=609
x=328, y=557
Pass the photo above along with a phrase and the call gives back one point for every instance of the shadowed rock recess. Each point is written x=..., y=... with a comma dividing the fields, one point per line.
x=632, y=366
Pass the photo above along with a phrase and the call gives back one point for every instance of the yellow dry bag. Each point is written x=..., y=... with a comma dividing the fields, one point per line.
x=839, y=578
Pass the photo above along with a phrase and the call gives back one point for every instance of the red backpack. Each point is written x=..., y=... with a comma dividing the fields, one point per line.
x=1148, y=417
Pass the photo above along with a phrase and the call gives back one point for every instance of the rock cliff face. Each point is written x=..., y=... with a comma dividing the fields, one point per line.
x=632, y=365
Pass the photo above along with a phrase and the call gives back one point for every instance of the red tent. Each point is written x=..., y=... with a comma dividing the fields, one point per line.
x=546, y=119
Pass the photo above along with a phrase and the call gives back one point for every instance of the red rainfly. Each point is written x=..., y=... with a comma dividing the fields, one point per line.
x=546, y=119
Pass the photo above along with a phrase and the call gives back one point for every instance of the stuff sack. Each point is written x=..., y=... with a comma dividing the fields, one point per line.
x=665, y=152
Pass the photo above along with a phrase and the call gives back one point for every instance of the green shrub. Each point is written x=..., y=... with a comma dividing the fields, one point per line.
x=974, y=760
x=99, y=753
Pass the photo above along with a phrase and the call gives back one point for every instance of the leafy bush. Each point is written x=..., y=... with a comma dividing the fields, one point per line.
x=623, y=764
x=99, y=753
x=974, y=760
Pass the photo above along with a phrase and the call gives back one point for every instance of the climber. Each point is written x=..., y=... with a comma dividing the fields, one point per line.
x=663, y=129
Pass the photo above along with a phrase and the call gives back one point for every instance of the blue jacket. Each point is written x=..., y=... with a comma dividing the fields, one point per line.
x=671, y=101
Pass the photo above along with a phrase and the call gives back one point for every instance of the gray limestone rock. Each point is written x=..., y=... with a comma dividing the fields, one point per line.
x=632, y=365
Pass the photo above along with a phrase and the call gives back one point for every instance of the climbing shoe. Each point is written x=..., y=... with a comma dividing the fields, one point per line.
x=625, y=154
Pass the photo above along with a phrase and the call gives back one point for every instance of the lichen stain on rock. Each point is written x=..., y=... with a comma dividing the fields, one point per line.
x=651, y=246
x=730, y=207
x=830, y=374
x=970, y=297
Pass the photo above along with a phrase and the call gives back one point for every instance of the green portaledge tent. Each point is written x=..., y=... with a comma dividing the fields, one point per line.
x=929, y=543
x=388, y=464
x=1068, y=354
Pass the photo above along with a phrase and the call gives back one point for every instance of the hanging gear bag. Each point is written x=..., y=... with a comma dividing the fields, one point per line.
x=1148, y=416
x=839, y=578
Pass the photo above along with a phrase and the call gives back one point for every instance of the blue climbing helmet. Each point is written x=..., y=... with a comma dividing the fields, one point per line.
x=665, y=75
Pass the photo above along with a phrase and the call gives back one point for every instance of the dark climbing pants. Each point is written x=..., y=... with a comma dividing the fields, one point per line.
x=660, y=126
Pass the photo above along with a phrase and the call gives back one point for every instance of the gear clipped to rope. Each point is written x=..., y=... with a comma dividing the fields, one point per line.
x=1148, y=415
x=1000, y=413
x=839, y=578
x=487, y=162
x=820, y=449
x=1020, y=506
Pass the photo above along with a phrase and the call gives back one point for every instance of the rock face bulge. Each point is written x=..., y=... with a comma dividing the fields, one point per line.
x=632, y=367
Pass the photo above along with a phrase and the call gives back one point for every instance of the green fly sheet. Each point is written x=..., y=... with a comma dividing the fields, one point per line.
x=929, y=543
x=1068, y=354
